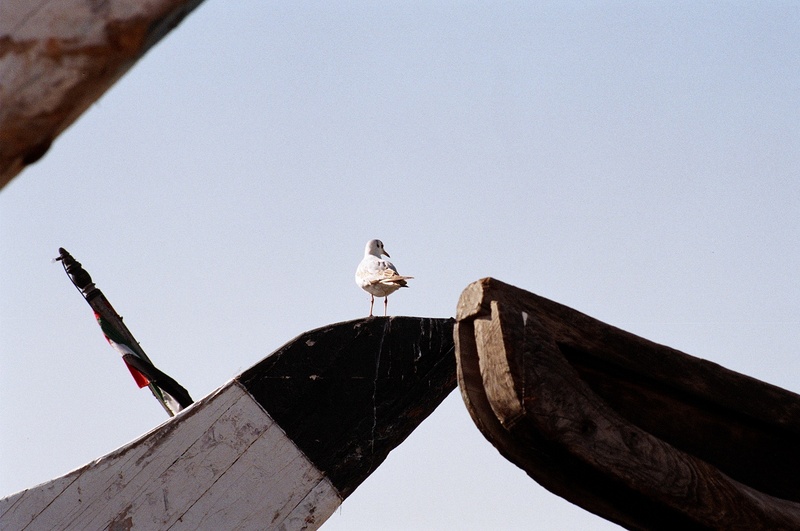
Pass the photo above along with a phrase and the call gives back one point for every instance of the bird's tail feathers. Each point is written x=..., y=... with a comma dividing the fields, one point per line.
x=397, y=279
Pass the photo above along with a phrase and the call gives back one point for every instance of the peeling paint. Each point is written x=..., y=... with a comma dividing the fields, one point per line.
x=123, y=522
x=58, y=57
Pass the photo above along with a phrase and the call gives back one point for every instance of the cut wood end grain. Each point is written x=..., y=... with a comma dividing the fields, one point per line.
x=472, y=302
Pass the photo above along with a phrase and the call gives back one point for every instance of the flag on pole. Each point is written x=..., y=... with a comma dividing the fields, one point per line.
x=115, y=340
x=170, y=394
x=144, y=373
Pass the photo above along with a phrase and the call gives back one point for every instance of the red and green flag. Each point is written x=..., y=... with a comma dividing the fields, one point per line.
x=172, y=396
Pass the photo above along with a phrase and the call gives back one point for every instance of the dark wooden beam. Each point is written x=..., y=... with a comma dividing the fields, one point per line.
x=58, y=56
x=636, y=432
x=348, y=397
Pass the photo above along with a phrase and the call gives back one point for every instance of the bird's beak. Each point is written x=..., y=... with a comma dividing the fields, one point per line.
x=387, y=254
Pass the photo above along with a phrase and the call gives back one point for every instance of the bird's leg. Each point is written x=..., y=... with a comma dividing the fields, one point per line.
x=385, y=304
x=371, y=303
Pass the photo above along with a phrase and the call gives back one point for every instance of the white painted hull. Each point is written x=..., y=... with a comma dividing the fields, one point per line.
x=221, y=464
x=279, y=447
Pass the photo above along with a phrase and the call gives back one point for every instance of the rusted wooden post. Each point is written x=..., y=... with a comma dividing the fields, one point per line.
x=58, y=56
x=636, y=432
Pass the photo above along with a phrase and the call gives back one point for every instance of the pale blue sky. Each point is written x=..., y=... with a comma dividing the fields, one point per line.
x=635, y=161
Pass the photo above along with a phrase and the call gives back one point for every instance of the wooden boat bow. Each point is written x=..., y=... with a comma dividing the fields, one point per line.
x=278, y=447
x=636, y=432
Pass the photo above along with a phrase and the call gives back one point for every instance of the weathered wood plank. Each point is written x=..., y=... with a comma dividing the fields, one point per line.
x=263, y=497
x=279, y=447
x=167, y=476
x=58, y=56
x=153, y=453
x=636, y=432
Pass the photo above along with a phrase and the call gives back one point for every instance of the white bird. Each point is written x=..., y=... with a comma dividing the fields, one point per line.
x=378, y=277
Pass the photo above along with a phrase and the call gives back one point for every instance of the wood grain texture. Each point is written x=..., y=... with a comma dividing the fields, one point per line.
x=221, y=464
x=58, y=56
x=636, y=432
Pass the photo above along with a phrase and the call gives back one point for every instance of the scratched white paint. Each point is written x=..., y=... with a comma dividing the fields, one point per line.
x=223, y=463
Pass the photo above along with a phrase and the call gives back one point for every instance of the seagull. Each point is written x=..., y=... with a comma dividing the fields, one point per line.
x=378, y=277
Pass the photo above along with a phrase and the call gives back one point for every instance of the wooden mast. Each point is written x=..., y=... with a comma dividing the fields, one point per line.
x=279, y=447
x=636, y=432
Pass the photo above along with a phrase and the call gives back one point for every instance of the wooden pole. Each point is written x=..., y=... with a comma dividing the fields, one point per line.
x=636, y=432
x=279, y=447
x=58, y=56
x=176, y=397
